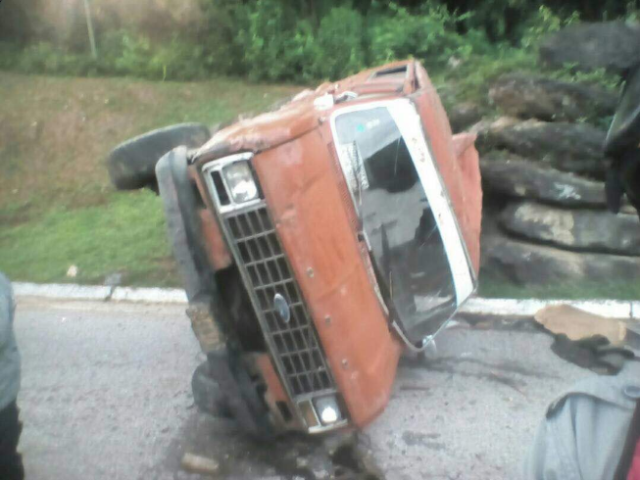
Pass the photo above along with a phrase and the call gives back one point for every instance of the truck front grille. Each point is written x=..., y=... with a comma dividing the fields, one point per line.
x=267, y=273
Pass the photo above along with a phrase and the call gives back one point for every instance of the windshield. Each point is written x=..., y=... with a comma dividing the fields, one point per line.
x=398, y=220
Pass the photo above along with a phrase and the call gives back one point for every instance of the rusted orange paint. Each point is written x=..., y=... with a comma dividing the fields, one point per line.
x=275, y=392
x=305, y=189
x=299, y=116
x=216, y=248
x=470, y=214
x=301, y=188
x=460, y=172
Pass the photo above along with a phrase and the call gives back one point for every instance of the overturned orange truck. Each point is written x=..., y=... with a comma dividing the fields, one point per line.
x=321, y=240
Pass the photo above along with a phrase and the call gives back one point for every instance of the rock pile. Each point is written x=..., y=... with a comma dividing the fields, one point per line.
x=543, y=169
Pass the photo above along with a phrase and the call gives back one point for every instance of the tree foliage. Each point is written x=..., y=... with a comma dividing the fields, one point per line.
x=298, y=40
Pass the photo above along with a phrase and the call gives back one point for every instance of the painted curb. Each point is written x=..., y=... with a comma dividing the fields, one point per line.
x=529, y=307
x=100, y=293
x=149, y=295
x=61, y=291
x=474, y=306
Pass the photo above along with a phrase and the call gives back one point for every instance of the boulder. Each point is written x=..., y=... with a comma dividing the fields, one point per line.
x=529, y=264
x=570, y=147
x=509, y=175
x=614, y=46
x=581, y=230
x=525, y=96
x=463, y=116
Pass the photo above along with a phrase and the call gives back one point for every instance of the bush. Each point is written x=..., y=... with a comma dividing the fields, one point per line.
x=9, y=56
x=217, y=37
x=120, y=54
x=544, y=22
x=275, y=45
x=306, y=40
x=177, y=60
x=134, y=56
x=468, y=81
x=46, y=58
x=429, y=34
x=338, y=48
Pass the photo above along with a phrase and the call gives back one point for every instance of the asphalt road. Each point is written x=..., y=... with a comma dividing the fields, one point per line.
x=106, y=395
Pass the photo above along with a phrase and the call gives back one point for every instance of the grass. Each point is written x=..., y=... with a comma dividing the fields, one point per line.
x=57, y=207
x=499, y=288
x=124, y=235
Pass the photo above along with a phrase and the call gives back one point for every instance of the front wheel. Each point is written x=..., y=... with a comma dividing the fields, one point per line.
x=207, y=394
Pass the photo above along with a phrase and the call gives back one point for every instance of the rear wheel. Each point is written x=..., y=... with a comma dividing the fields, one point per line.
x=132, y=164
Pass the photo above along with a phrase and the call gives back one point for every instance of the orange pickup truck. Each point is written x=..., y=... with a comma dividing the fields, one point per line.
x=321, y=240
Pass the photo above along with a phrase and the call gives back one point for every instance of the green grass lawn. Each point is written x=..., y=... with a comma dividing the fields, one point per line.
x=57, y=207
x=124, y=235
x=499, y=288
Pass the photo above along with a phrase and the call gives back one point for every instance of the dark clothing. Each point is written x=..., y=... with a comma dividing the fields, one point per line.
x=10, y=428
x=9, y=355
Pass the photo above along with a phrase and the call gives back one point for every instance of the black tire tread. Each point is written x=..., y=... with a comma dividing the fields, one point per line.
x=131, y=165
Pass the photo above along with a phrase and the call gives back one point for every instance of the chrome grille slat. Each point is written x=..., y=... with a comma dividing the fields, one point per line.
x=295, y=344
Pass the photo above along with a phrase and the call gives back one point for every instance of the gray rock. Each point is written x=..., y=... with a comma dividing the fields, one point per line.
x=463, y=116
x=528, y=264
x=525, y=96
x=614, y=46
x=568, y=147
x=581, y=230
x=510, y=175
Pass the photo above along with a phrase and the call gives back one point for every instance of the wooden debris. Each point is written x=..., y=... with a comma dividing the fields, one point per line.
x=198, y=464
x=577, y=324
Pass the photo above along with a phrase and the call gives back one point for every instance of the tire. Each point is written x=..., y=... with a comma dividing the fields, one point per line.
x=131, y=165
x=207, y=394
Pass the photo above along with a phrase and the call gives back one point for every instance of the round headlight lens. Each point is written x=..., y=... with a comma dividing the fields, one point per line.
x=328, y=410
x=328, y=415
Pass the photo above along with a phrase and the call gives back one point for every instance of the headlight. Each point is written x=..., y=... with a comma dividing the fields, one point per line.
x=328, y=410
x=240, y=183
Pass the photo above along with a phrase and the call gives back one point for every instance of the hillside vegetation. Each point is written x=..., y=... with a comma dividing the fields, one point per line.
x=63, y=110
x=286, y=40
x=57, y=208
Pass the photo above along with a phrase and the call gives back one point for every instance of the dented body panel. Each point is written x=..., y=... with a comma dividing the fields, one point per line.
x=312, y=219
x=301, y=236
